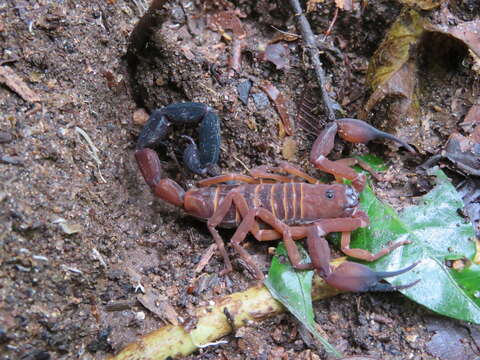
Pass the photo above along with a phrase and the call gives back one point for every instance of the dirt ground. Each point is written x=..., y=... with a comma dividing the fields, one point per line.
x=81, y=235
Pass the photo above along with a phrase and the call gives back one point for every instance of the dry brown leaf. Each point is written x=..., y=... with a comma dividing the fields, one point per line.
x=279, y=100
x=471, y=123
x=467, y=32
x=15, y=83
x=284, y=36
x=344, y=4
x=158, y=305
x=226, y=20
x=392, y=75
x=400, y=84
x=394, y=51
x=289, y=149
x=277, y=54
x=464, y=153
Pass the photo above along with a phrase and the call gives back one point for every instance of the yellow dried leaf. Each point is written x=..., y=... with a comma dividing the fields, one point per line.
x=289, y=149
x=344, y=4
x=394, y=51
x=312, y=4
x=423, y=4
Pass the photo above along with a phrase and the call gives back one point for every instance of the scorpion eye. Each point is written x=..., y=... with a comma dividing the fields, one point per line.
x=330, y=194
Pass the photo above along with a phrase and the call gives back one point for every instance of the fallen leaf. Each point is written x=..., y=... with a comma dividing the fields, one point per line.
x=226, y=20
x=284, y=36
x=294, y=290
x=277, y=54
x=243, y=89
x=437, y=233
x=392, y=76
x=467, y=32
x=464, y=153
x=423, y=4
x=400, y=87
x=279, y=100
x=344, y=4
x=471, y=123
x=158, y=305
x=289, y=149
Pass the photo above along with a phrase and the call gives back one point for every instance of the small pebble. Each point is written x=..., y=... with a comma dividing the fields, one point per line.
x=244, y=90
x=5, y=137
x=411, y=338
x=70, y=229
x=140, y=316
x=57, y=209
x=13, y=160
x=261, y=100
x=140, y=116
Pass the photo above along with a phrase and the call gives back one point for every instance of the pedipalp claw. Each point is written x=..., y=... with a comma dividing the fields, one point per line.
x=385, y=274
x=358, y=131
x=355, y=277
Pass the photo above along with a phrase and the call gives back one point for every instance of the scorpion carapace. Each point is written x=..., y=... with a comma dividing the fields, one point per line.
x=292, y=204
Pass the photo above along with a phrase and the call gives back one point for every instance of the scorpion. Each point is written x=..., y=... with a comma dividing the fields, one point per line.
x=273, y=203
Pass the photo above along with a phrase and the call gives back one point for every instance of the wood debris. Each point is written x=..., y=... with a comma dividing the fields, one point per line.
x=16, y=84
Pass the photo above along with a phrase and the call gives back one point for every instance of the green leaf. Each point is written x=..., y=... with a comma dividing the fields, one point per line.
x=438, y=235
x=293, y=289
x=375, y=162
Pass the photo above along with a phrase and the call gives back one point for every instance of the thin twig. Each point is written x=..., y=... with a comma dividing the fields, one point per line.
x=329, y=30
x=92, y=150
x=309, y=40
x=286, y=32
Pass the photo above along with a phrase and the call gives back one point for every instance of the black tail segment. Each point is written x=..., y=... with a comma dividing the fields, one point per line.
x=355, y=277
x=200, y=160
x=155, y=130
x=191, y=157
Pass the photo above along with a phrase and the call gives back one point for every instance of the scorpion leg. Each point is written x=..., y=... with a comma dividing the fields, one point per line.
x=361, y=253
x=227, y=178
x=353, y=161
x=349, y=276
x=236, y=199
x=365, y=254
x=199, y=160
x=265, y=172
x=351, y=130
x=249, y=224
